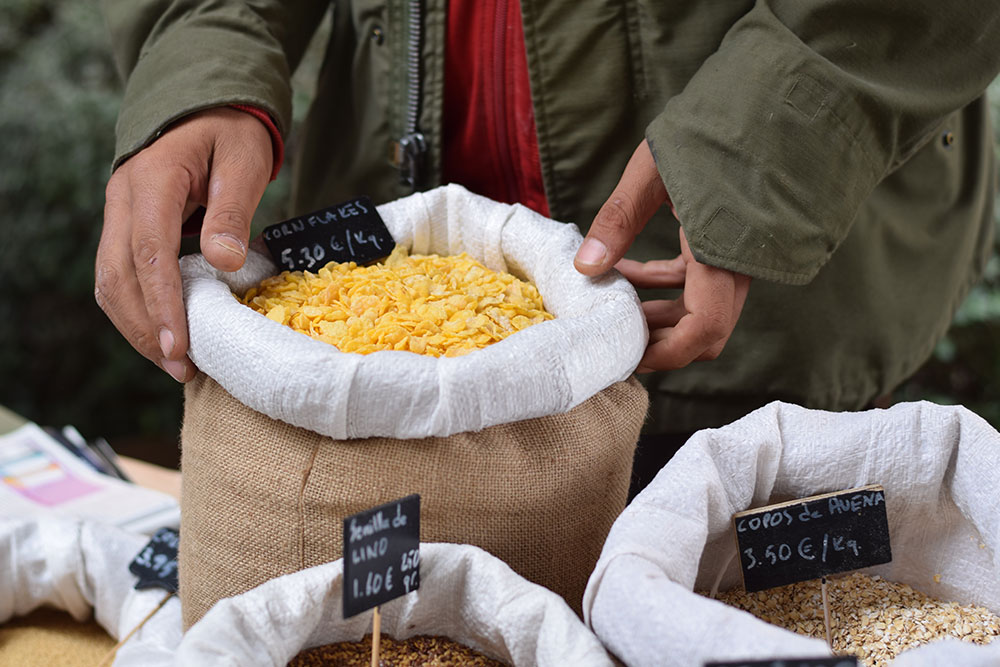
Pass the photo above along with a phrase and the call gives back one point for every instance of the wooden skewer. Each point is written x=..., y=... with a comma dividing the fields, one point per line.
x=826, y=613
x=376, y=635
x=106, y=660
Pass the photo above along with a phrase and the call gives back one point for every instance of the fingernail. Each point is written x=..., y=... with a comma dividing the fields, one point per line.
x=177, y=369
x=166, y=341
x=230, y=243
x=592, y=252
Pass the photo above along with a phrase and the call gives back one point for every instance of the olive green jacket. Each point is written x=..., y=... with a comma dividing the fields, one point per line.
x=837, y=151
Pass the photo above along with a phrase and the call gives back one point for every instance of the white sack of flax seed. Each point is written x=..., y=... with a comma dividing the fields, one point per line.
x=465, y=594
x=596, y=339
x=939, y=467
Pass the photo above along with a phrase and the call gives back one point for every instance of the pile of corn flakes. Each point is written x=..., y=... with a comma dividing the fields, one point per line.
x=427, y=304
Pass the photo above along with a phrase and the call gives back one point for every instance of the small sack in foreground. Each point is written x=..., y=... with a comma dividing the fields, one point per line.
x=465, y=594
x=938, y=466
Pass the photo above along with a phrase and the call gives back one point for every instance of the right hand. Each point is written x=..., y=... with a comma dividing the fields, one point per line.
x=220, y=159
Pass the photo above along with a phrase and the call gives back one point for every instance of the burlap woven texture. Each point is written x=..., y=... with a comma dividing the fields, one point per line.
x=261, y=498
x=48, y=636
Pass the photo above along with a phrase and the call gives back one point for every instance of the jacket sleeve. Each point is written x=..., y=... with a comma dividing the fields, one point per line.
x=181, y=56
x=777, y=140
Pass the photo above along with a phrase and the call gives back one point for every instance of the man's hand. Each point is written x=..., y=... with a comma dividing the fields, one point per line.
x=697, y=325
x=220, y=159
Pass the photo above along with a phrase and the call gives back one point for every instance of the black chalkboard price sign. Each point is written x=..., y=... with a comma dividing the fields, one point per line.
x=381, y=554
x=844, y=661
x=351, y=231
x=812, y=537
x=156, y=564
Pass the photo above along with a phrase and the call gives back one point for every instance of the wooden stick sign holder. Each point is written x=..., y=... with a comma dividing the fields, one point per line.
x=156, y=567
x=109, y=657
x=826, y=613
x=376, y=635
x=812, y=538
x=381, y=559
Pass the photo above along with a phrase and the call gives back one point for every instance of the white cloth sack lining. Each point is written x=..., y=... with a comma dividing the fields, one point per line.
x=465, y=594
x=597, y=338
x=939, y=466
x=82, y=567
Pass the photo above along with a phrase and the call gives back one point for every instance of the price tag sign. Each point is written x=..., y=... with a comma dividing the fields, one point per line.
x=812, y=537
x=156, y=564
x=381, y=554
x=351, y=231
x=846, y=661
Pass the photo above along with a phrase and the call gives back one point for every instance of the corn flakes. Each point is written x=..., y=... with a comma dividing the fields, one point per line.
x=426, y=304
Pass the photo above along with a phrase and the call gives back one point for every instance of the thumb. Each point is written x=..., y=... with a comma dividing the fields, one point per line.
x=638, y=195
x=240, y=173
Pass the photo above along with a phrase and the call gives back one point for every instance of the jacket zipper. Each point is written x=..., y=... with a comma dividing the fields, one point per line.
x=411, y=149
x=504, y=156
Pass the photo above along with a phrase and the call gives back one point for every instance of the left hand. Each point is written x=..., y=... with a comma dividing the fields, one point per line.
x=696, y=325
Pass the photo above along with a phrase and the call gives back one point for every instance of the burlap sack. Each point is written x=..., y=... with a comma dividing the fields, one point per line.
x=262, y=498
x=597, y=338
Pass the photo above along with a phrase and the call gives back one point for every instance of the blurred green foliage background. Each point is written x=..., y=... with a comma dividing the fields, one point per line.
x=62, y=362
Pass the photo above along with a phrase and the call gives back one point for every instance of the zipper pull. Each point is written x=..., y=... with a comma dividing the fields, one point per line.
x=408, y=156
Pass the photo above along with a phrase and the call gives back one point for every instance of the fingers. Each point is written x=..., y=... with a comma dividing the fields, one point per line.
x=159, y=197
x=120, y=292
x=241, y=170
x=662, y=314
x=697, y=326
x=658, y=273
x=693, y=338
x=635, y=199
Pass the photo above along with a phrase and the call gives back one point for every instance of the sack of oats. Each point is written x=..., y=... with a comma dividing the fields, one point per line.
x=466, y=597
x=933, y=604
x=523, y=447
